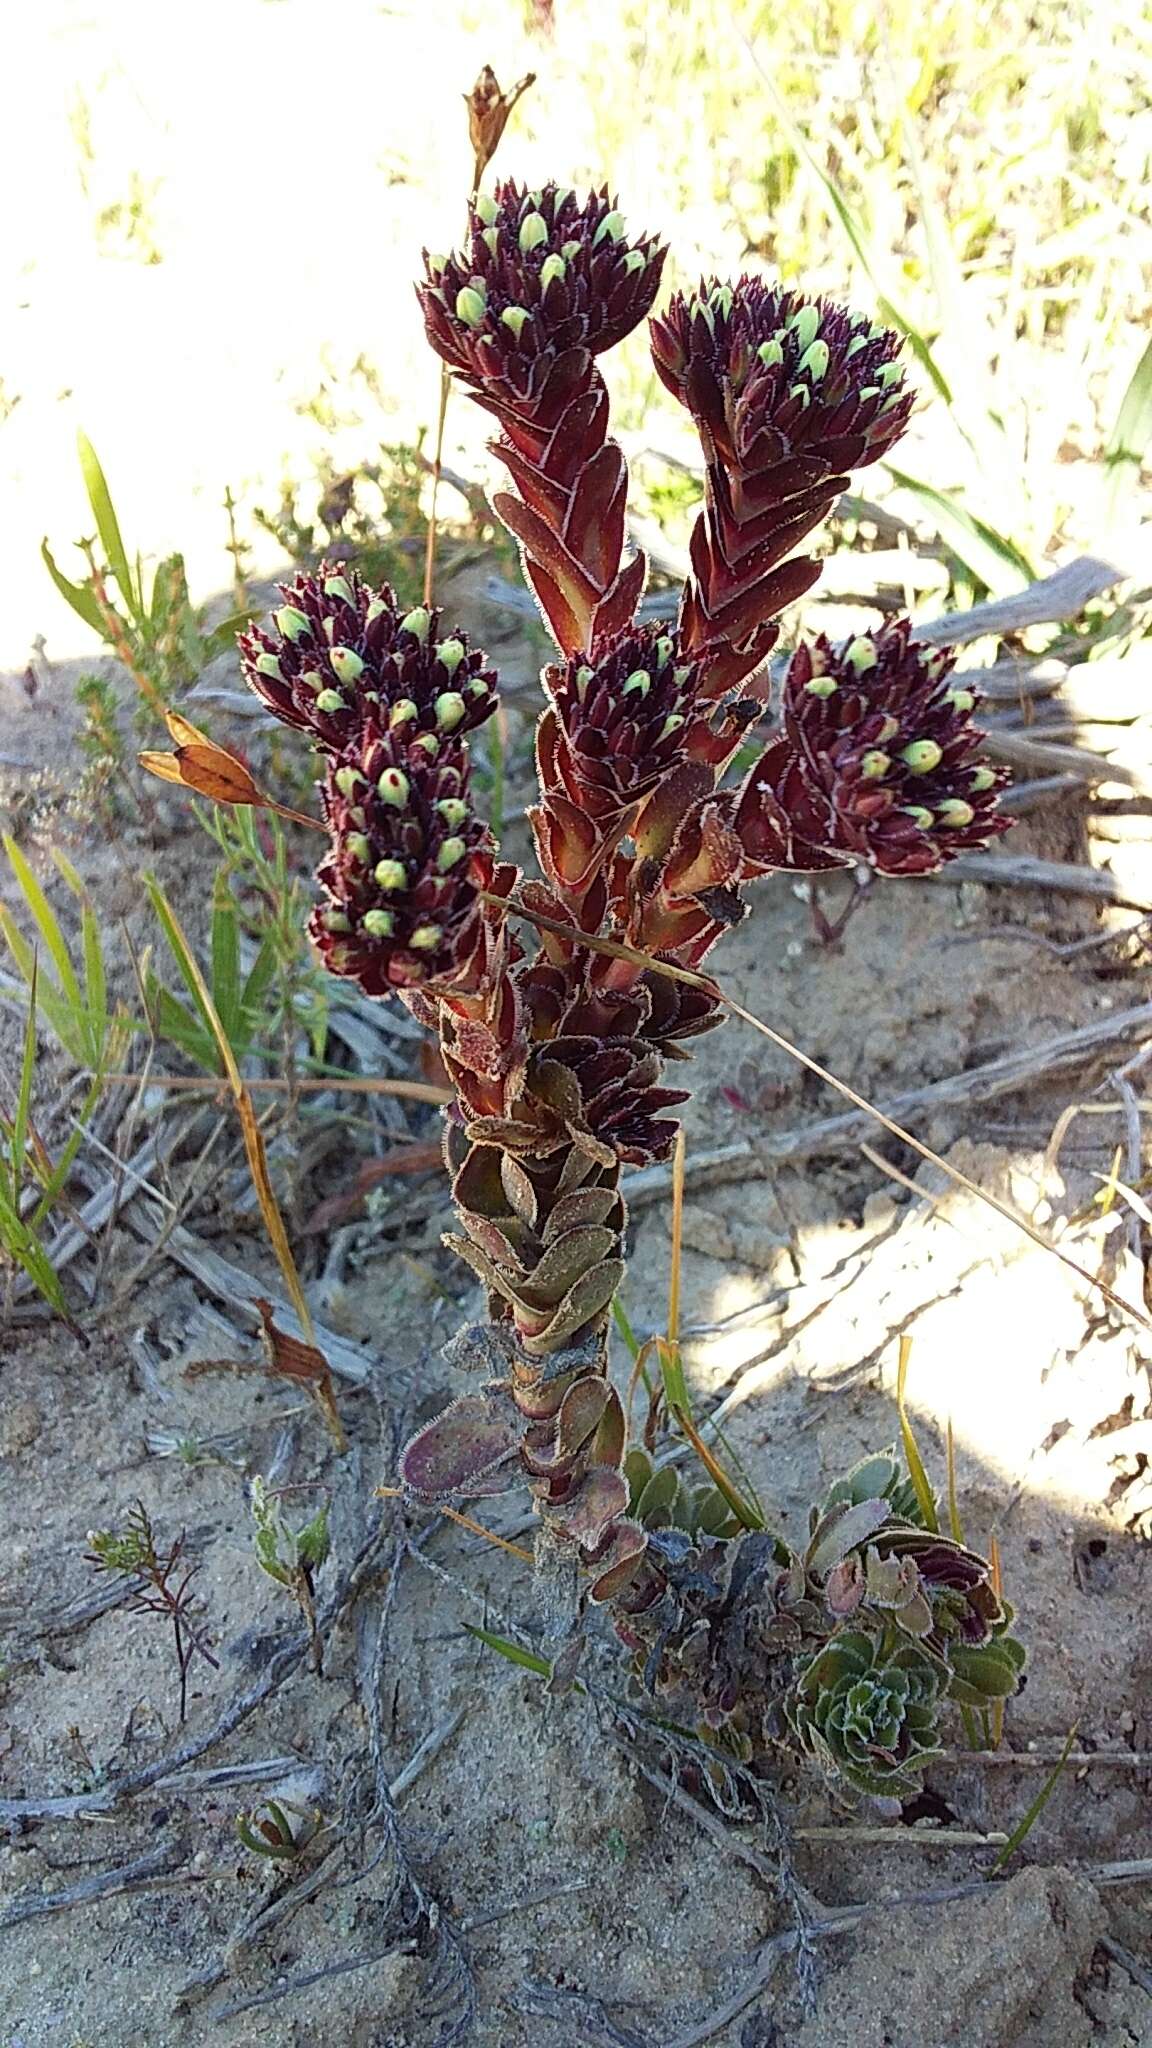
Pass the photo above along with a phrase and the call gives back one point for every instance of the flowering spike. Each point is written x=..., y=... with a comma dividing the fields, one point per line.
x=402, y=850
x=883, y=766
x=786, y=394
x=346, y=657
x=540, y=289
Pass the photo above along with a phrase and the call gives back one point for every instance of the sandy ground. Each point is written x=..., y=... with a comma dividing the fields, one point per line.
x=590, y=1910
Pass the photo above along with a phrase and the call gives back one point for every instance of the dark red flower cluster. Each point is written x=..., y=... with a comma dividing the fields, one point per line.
x=786, y=387
x=408, y=857
x=877, y=759
x=345, y=658
x=543, y=272
x=787, y=393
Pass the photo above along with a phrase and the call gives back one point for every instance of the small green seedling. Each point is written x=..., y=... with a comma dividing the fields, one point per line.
x=291, y=1556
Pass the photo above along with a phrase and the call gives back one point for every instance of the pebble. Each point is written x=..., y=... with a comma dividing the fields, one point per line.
x=20, y=1429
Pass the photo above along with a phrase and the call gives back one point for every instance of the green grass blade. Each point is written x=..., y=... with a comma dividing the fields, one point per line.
x=620, y=1318
x=81, y=599
x=24, y=1095
x=49, y=1001
x=912, y=1458
x=107, y=525
x=47, y=924
x=189, y=971
x=512, y=1651
x=1130, y=437
x=181, y=1026
x=29, y=1253
x=226, y=959
x=260, y=977
x=1024, y=1827
x=96, y=1016
x=998, y=563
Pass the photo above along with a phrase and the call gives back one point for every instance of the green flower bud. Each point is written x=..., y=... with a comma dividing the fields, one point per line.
x=426, y=938
x=402, y=713
x=330, y=700
x=634, y=261
x=583, y=678
x=815, y=359
x=339, y=586
x=963, y=700
x=452, y=851
x=313, y=680
x=513, y=317
x=802, y=392
x=348, y=781
x=955, y=812
x=359, y=847
x=390, y=874
x=854, y=347
x=453, y=810
x=612, y=225
x=269, y=665
x=394, y=788
x=379, y=923
x=663, y=650
x=805, y=325
x=874, y=765
x=570, y=249
x=347, y=664
x=428, y=744
x=339, y=958
x=449, y=653
x=671, y=724
x=486, y=208
x=982, y=779
x=894, y=399
x=889, y=373
x=376, y=608
x=860, y=654
x=471, y=306
x=491, y=240
x=292, y=623
x=533, y=231
x=553, y=268
x=920, y=757
x=721, y=299
x=919, y=816
x=770, y=351
x=477, y=687
x=888, y=730
x=638, y=684
x=821, y=686
x=336, y=921
x=869, y=391
x=450, y=709
x=417, y=622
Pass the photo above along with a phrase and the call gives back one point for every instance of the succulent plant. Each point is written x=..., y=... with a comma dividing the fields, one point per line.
x=787, y=393
x=408, y=857
x=556, y=1047
x=541, y=273
x=343, y=659
x=547, y=282
x=878, y=758
x=867, y=1708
